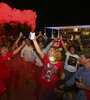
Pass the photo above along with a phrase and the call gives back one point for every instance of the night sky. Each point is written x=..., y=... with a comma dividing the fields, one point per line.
x=55, y=13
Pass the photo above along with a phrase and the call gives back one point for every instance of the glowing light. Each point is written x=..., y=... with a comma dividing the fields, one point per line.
x=66, y=27
x=85, y=33
x=72, y=37
x=77, y=37
x=75, y=29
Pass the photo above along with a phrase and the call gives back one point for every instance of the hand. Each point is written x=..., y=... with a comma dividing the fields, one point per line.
x=40, y=33
x=81, y=85
x=24, y=37
x=62, y=76
x=61, y=86
x=35, y=62
x=61, y=37
x=23, y=43
x=52, y=41
x=79, y=40
x=20, y=35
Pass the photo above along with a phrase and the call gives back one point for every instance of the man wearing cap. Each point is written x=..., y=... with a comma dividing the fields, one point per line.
x=84, y=73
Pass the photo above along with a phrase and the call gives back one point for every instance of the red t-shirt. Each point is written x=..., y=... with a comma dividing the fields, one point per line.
x=5, y=65
x=59, y=44
x=88, y=95
x=49, y=73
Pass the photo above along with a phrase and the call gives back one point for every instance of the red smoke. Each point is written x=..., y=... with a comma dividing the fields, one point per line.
x=8, y=15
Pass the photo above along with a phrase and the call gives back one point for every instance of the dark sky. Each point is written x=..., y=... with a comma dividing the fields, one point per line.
x=55, y=13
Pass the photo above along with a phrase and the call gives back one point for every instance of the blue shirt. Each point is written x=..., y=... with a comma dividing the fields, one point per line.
x=86, y=79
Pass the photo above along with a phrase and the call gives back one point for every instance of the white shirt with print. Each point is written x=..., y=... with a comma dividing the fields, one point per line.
x=71, y=62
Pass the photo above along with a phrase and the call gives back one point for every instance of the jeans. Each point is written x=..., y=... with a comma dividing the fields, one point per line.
x=68, y=75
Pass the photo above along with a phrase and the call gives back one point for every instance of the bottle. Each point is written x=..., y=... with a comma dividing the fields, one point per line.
x=80, y=79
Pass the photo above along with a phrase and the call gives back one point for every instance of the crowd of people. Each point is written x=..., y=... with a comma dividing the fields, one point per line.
x=50, y=59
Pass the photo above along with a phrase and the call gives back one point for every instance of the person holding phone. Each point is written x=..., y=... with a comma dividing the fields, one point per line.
x=49, y=74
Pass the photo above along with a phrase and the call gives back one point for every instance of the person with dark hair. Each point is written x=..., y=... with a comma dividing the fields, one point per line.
x=42, y=38
x=81, y=77
x=70, y=66
x=71, y=61
x=16, y=66
x=27, y=56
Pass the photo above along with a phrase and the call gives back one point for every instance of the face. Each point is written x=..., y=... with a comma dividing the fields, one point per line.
x=27, y=41
x=55, y=39
x=51, y=52
x=3, y=51
x=41, y=45
x=82, y=60
x=40, y=39
x=72, y=50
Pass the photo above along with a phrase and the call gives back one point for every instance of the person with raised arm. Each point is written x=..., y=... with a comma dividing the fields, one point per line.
x=81, y=77
x=5, y=68
x=17, y=41
x=71, y=60
x=49, y=74
x=81, y=45
x=16, y=66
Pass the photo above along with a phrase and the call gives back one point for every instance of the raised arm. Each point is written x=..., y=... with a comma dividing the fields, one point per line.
x=38, y=48
x=16, y=42
x=38, y=36
x=45, y=50
x=19, y=48
x=81, y=46
x=32, y=37
x=44, y=37
x=64, y=46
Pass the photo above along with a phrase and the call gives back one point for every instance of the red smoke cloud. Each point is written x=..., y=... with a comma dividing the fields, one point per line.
x=8, y=15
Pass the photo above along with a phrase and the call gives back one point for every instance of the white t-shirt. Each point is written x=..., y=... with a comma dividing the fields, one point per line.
x=71, y=62
x=27, y=53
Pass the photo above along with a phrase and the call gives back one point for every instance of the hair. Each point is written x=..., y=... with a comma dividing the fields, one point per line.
x=2, y=45
x=57, y=53
x=72, y=47
x=41, y=42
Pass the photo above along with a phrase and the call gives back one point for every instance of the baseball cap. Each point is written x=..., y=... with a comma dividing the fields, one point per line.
x=85, y=52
